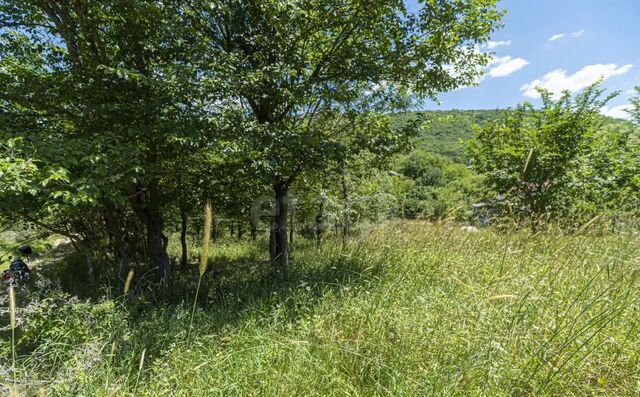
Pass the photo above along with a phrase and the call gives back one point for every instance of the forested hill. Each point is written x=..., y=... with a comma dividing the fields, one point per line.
x=448, y=130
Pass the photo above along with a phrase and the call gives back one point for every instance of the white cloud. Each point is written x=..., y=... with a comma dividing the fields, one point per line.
x=578, y=33
x=504, y=66
x=631, y=91
x=558, y=80
x=618, y=112
x=556, y=37
x=494, y=44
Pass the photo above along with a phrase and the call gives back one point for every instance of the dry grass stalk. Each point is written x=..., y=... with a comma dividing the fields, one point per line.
x=140, y=366
x=12, y=314
x=144, y=351
x=12, y=307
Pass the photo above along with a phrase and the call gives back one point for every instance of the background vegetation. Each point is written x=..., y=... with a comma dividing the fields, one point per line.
x=339, y=252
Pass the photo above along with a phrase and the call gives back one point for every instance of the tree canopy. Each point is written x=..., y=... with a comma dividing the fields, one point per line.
x=557, y=159
x=117, y=115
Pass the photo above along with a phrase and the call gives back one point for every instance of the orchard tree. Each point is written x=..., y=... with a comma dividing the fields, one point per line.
x=530, y=155
x=289, y=64
x=362, y=145
x=607, y=178
x=94, y=95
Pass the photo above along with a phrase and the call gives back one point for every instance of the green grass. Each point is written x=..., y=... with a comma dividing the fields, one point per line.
x=10, y=241
x=411, y=309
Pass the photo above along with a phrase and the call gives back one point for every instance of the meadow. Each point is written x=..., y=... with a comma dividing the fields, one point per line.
x=410, y=308
x=331, y=256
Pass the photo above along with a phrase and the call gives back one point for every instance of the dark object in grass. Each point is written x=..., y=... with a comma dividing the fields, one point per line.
x=25, y=250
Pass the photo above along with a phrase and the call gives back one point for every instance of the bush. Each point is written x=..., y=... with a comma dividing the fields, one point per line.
x=558, y=160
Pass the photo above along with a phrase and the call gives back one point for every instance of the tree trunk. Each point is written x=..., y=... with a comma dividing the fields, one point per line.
x=116, y=229
x=184, y=259
x=320, y=222
x=88, y=258
x=254, y=229
x=89, y=263
x=197, y=228
x=345, y=211
x=272, y=237
x=123, y=257
x=147, y=209
x=292, y=225
x=217, y=233
x=156, y=243
x=240, y=231
x=279, y=244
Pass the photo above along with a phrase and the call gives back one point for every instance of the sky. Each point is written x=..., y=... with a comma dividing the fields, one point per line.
x=556, y=44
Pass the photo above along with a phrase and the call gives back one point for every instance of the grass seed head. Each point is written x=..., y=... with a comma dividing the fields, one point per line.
x=144, y=351
x=206, y=238
x=127, y=283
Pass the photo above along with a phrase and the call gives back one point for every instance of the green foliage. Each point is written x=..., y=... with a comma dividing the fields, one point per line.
x=424, y=168
x=635, y=110
x=437, y=187
x=119, y=119
x=313, y=78
x=543, y=160
x=98, y=101
x=60, y=319
x=606, y=180
x=49, y=327
x=126, y=106
x=446, y=132
x=309, y=72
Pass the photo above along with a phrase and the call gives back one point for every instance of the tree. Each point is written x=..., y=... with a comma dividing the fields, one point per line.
x=439, y=186
x=530, y=155
x=101, y=91
x=635, y=107
x=606, y=181
x=292, y=64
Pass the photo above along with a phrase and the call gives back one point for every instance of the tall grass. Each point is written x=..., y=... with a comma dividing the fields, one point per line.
x=12, y=324
x=409, y=309
x=140, y=366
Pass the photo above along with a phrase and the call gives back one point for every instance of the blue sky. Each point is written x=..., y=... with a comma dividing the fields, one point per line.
x=559, y=44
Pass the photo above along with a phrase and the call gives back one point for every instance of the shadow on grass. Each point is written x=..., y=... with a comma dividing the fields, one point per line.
x=235, y=283
x=234, y=286
x=65, y=269
x=237, y=292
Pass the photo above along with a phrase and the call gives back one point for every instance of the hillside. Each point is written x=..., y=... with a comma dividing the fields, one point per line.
x=448, y=130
